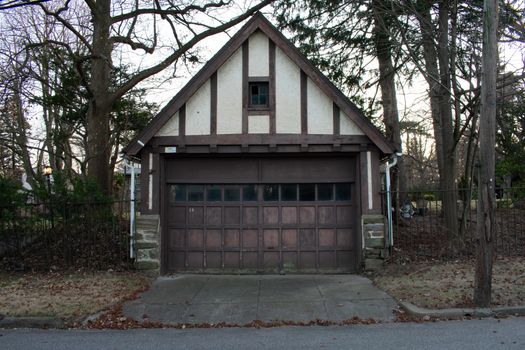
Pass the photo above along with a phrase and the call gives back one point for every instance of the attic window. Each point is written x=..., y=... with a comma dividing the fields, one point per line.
x=259, y=95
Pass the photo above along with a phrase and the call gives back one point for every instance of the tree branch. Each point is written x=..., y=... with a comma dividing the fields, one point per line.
x=183, y=49
x=5, y=5
x=66, y=24
x=133, y=44
x=167, y=12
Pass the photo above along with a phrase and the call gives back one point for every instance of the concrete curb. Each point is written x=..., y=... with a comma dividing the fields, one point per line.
x=31, y=322
x=417, y=311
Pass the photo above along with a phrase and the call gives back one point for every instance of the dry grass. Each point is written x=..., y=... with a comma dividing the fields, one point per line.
x=450, y=284
x=70, y=296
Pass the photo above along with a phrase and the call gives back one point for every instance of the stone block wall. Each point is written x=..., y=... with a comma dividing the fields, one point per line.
x=374, y=235
x=147, y=244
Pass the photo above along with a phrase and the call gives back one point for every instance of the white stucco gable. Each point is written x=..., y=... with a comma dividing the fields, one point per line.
x=283, y=76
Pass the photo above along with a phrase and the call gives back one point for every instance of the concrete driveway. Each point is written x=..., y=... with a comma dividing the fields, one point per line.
x=242, y=299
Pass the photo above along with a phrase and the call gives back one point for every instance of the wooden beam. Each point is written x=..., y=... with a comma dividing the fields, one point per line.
x=245, y=95
x=182, y=120
x=337, y=119
x=271, y=54
x=213, y=104
x=261, y=139
x=304, y=103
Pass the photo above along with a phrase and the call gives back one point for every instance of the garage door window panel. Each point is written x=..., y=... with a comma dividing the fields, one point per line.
x=307, y=192
x=214, y=193
x=343, y=192
x=289, y=193
x=232, y=193
x=271, y=193
x=196, y=193
x=178, y=193
x=249, y=193
x=325, y=192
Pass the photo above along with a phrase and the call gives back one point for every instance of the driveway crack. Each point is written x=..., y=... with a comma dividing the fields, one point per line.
x=190, y=303
x=321, y=294
x=258, y=297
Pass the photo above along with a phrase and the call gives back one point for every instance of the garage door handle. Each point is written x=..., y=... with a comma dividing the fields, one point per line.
x=271, y=247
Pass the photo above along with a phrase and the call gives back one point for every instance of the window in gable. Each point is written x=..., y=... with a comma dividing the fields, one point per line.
x=259, y=94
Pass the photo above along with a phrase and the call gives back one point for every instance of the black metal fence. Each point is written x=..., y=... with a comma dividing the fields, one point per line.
x=65, y=235
x=419, y=229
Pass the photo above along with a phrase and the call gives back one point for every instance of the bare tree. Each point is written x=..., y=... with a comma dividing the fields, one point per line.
x=118, y=26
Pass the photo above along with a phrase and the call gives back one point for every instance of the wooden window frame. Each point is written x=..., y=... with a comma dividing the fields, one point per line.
x=259, y=80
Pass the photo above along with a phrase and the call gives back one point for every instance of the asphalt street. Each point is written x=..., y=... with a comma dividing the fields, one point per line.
x=472, y=334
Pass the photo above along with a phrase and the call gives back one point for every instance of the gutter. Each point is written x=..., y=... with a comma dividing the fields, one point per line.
x=390, y=164
x=129, y=165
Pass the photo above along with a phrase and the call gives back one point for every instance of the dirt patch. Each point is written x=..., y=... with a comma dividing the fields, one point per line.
x=438, y=285
x=69, y=296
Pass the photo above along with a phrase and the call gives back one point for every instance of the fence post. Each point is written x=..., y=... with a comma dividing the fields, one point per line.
x=132, y=212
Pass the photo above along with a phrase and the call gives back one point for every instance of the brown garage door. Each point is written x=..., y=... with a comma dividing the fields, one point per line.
x=232, y=223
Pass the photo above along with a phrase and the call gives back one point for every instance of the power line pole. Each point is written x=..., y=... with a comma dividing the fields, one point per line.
x=487, y=134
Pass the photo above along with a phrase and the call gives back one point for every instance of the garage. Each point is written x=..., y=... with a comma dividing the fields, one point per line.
x=260, y=215
x=259, y=164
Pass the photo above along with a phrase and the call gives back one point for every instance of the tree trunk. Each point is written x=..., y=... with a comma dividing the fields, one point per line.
x=21, y=139
x=383, y=48
x=432, y=77
x=441, y=110
x=449, y=198
x=487, y=136
x=100, y=101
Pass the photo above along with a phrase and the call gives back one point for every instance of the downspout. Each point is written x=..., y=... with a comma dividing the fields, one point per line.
x=390, y=164
x=131, y=209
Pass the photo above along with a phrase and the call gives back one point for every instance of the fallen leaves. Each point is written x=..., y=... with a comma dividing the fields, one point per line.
x=438, y=284
x=68, y=295
x=114, y=319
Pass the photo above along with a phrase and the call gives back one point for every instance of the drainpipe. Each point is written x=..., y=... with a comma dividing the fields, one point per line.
x=131, y=209
x=389, y=164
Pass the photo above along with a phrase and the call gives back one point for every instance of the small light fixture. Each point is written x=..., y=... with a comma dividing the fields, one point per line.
x=48, y=170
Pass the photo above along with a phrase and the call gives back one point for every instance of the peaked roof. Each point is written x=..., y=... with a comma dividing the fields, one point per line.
x=259, y=22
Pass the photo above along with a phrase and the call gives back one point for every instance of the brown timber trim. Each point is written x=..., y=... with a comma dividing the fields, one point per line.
x=376, y=183
x=261, y=111
x=363, y=177
x=260, y=139
x=258, y=79
x=337, y=120
x=358, y=215
x=304, y=103
x=156, y=184
x=271, y=55
x=259, y=149
x=213, y=104
x=245, y=63
x=163, y=189
x=144, y=180
x=182, y=120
